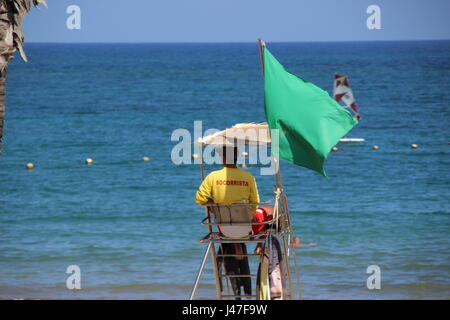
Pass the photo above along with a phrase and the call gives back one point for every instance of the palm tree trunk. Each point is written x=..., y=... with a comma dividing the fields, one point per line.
x=2, y=104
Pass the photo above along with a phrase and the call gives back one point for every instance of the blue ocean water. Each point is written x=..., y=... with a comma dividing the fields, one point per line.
x=132, y=227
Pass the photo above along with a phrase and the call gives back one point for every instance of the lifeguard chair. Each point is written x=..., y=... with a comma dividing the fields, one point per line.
x=234, y=224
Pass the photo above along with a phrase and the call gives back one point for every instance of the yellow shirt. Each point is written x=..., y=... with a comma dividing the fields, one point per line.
x=227, y=186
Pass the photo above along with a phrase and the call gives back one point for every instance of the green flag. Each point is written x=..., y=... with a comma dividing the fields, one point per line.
x=308, y=120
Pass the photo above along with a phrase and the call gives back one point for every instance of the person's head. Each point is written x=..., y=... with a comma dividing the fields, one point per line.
x=229, y=155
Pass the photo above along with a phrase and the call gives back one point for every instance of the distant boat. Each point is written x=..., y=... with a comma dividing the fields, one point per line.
x=351, y=140
x=343, y=93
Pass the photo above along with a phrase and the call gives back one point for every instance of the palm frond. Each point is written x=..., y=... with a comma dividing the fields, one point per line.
x=12, y=13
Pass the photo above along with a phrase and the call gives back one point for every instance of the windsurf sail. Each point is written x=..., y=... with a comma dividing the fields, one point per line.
x=343, y=93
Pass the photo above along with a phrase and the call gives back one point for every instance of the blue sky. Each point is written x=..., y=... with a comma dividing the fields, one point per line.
x=238, y=20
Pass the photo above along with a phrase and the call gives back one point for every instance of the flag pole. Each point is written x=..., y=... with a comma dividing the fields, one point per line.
x=279, y=187
x=261, y=44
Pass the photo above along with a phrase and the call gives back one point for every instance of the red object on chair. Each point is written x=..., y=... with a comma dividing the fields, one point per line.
x=260, y=216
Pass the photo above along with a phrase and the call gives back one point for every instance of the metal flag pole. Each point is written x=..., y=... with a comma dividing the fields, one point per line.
x=279, y=188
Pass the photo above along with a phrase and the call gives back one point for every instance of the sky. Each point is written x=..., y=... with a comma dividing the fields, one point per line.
x=238, y=20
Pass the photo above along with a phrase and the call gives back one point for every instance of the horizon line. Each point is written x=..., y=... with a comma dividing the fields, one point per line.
x=228, y=42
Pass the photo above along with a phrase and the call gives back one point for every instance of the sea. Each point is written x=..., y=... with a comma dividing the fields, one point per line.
x=131, y=228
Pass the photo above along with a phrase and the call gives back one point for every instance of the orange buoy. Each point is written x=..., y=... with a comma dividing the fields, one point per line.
x=89, y=161
x=29, y=166
x=145, y=159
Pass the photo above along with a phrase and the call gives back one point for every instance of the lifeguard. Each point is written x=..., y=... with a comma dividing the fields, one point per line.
x=228, y=185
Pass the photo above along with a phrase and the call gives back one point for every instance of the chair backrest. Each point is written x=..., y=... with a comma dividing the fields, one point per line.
x=227, y=217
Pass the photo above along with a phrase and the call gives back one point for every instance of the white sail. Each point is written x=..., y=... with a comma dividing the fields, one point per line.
x=343, y=93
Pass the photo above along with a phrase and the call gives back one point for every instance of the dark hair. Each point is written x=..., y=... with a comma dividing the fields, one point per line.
x=229, y=153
